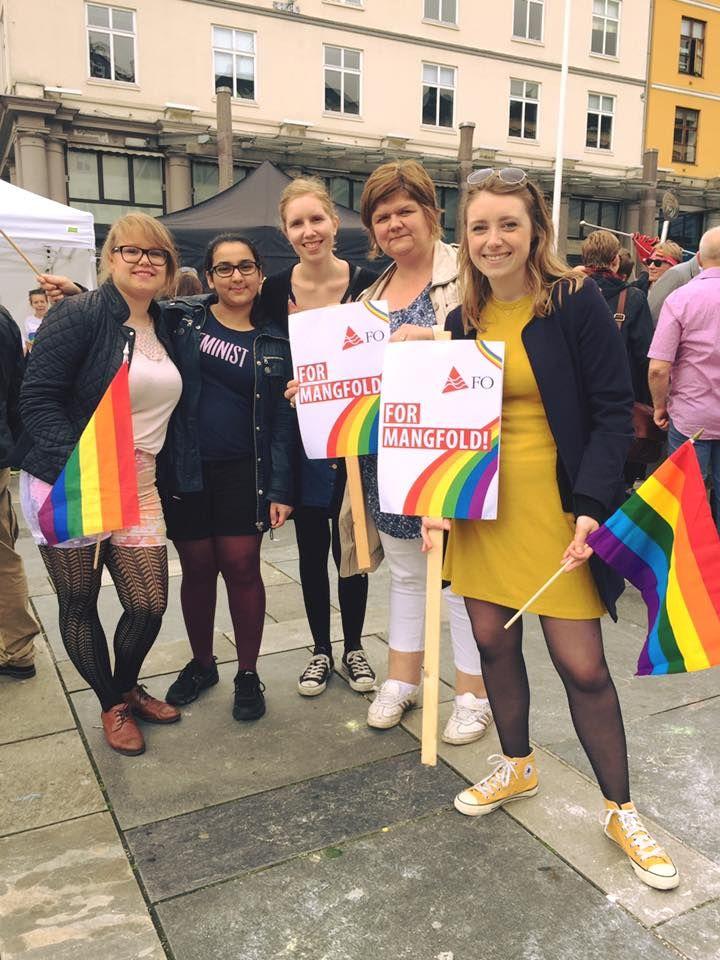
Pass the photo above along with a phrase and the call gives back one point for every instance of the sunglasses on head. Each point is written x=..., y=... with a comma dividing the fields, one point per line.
x=512, y=176
x=656, y=262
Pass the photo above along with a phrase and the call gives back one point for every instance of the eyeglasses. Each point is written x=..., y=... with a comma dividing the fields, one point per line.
x=512, y=176
x=656, y=262
x=246, y=268
x=131, y=254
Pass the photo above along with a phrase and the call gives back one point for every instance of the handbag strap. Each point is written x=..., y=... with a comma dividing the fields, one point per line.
x=620, y=309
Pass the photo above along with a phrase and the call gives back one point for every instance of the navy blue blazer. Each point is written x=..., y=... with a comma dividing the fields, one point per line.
x=583, y=376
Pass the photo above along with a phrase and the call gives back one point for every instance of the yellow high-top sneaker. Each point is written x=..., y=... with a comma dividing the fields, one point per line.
x=649, y=861
x=512, y=779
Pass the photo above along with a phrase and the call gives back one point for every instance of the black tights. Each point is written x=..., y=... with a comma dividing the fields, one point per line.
x=576, y=650
x=314, y=540
x=140, y=575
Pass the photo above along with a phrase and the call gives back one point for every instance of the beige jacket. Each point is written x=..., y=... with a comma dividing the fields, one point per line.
x=444, y=296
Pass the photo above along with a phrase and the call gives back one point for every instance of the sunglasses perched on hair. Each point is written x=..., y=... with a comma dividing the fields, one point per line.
x=512, y=176
x=656, y=262
x=224, y=269
x=132, y=254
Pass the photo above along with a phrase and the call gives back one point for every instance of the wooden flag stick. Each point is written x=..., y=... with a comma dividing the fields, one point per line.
x=696, y=436
x=97, y=551
x=357, y=504
x=431, y=661
x=534, y=597
x=19, y=252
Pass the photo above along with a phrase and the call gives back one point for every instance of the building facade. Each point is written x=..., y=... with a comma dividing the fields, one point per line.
x=683, y=115
x=112, y=105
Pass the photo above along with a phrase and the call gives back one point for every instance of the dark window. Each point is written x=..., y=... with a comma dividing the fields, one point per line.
x=342, y=80
x=111, y=43
x=692, y=47
x=110, y=185
x=205, y=179
x=685, y=135
x=528, y=19
x=599, y=121
x=448, y=200
x=345, y=191
x=438, y=95
x=600, y=213
x=686, y=229
x=605, y=27
x=524, y=101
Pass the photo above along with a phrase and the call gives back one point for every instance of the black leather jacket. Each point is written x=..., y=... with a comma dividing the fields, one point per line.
x=12, y=364
x=77, y=352
x=275, y=422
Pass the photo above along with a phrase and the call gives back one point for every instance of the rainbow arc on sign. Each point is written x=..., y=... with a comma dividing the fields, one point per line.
x=355, y=432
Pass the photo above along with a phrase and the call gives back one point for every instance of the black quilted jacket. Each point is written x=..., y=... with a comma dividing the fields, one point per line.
x=12, y=364
x=77, y=351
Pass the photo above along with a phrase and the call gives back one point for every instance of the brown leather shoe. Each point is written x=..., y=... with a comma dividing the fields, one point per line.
x=121, y=731
x=149, y=708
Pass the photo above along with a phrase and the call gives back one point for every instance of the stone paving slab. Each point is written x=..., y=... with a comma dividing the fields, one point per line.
x=674, y=772
x=697, y=934
x=565, y=816
x=209, y=758
x=44, y=781
x=67, y=893
x=421, y=891
x=34, y=707
x=182, y=854
x=284, y=602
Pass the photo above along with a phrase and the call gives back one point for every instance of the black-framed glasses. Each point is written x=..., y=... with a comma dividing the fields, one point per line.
x=656, y=262
x=132, y=254
x=246, y=268
x=512, y=176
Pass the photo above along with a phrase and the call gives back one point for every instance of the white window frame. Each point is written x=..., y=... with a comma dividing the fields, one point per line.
x=525, y=37
x=440, y=19
x=440, y=86
x=111, y=32
x=343, y=70
x=254, y=55
x=601, y=113
x=606, y=19
x=524, y=99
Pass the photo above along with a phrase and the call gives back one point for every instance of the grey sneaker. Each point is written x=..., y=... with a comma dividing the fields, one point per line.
x=314, y=678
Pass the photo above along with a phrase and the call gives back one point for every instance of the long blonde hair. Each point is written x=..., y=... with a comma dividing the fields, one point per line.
x=546, y=271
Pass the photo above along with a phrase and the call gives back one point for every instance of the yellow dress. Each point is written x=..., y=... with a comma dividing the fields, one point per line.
x=504, y=561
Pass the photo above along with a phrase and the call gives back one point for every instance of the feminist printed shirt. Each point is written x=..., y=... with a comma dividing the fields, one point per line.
x=225, y=415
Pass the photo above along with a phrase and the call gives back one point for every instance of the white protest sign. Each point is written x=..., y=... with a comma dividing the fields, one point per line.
x=338, y=358
x=440, y=429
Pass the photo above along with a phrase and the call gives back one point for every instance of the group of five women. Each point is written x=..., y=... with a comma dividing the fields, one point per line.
x=219, y=462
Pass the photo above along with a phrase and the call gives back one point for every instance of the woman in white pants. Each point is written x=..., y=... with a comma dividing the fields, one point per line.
x=399, y=209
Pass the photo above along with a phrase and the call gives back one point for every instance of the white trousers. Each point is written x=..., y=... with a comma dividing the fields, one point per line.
x=407, y=606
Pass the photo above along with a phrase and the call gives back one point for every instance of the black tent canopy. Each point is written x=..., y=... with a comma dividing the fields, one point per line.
x=250, y=207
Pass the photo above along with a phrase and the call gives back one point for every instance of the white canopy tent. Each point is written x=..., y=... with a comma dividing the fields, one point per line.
x=56, y=238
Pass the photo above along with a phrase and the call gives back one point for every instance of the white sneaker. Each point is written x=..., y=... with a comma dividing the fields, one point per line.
x=469, y=721
x=390, y=704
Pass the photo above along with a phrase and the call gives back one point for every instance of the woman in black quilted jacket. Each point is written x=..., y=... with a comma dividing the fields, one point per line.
x=77, y=352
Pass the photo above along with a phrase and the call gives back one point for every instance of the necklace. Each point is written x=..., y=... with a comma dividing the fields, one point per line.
x=147, y=343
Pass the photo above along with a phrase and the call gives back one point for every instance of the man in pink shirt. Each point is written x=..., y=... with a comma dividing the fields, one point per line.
x=684, y=370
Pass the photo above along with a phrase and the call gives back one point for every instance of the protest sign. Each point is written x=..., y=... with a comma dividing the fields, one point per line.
x=439, y=439
x=337, y=359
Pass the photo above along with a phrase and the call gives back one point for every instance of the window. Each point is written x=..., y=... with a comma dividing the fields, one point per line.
x=692, y=47
x=685, y=135
x=605, y=27
x=110, y=185
x=343, y=69
x=345, y=191
x=234, y=61
x=448, y=200
x=524, y=100
x=205, y=179
x=442, y=11
x=528, y=19
x=111, y=43
x=686, y=229
x=438, y=95
x=599, y=121
x=604, y=213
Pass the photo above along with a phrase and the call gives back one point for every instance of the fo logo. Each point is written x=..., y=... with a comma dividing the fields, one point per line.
x=454, y=382
x=351, y=339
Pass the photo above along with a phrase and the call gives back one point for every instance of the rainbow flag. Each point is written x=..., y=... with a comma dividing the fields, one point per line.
x=664, y=541
x=97, y=489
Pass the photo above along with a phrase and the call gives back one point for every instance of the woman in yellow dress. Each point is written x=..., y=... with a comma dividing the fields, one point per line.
x=566, y=429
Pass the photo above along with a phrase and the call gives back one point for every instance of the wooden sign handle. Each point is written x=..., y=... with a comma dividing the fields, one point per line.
x=357, y=504
x=431, y=663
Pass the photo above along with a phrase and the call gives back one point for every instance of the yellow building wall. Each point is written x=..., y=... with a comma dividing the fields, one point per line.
x=664, y=59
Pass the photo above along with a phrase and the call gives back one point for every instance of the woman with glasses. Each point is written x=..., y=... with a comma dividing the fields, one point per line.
x=319, y=279
x=566, y=428
x=228, y=473
x=76, y=354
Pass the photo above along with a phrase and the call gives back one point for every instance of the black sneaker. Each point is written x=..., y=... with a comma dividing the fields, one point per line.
x=16, y=672
x=357, y=671
x=191, y=680
x=314, y=678
x=249, y=700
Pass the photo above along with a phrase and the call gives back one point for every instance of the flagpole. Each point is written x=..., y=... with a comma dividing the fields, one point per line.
x=696, y=436
x=533, y=598
x=560, y=142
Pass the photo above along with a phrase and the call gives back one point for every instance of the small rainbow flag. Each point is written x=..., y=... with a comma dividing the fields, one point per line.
x=97, y=489
x=663, y=540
